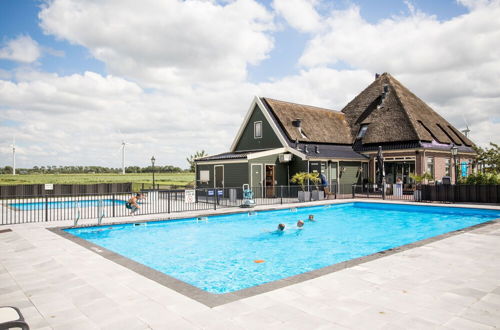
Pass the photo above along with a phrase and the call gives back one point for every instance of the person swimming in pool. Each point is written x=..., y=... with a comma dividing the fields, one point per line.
x=311, y=217
x=281, y=227
x=300, y=224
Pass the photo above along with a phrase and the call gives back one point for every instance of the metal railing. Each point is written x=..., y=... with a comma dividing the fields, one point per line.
x=28, y=209
x=23, y=209
x=392, y=192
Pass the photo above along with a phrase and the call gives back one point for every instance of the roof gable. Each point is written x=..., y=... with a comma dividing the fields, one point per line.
x=317, y=124
x=398, y=115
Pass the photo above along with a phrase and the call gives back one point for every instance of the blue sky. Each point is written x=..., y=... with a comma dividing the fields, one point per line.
x=72, y=72
x=20, y=17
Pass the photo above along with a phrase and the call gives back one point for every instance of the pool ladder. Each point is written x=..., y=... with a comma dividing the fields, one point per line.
x=78, y=213
x=100, y=211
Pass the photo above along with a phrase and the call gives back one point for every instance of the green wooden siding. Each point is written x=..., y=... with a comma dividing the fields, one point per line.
x=351, y=174
x=235, y=175
x=280, y=169
x=269, y=139
x=209, y=168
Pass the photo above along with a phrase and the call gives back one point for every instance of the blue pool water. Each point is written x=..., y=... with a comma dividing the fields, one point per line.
x=218, y=255
x=65, y=204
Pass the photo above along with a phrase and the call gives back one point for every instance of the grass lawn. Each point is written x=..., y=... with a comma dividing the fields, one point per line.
x=164, y=179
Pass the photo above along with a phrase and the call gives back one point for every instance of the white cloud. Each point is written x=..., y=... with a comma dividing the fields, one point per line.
x=197, y=52
x=166, y=43
x=22, y=49
x=300, y=14
x=453, y=65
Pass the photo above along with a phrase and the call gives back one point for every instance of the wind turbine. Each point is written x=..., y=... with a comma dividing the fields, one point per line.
x=123, y=156
x=466, y=131
x=13, y=155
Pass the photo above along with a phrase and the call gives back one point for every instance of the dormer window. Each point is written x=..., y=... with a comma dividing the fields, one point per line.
x=257, y=130
x=362, y=131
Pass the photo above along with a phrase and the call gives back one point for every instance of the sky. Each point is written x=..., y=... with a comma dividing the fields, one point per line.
x=171, y=77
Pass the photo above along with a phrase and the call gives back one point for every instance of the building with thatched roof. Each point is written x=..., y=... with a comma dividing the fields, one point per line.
x=278, y=139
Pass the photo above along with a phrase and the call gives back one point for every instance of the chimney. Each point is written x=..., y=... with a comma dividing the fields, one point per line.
x=376, y=76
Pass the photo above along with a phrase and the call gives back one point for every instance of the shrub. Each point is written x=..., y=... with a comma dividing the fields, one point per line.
x=481, y=178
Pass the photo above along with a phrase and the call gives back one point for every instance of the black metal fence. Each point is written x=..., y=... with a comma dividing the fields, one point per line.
x=399, y=192
x=463, y=193
x=42, y=190
x=26, y=209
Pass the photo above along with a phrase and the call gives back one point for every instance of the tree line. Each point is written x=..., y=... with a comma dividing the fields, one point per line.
x=51, y=169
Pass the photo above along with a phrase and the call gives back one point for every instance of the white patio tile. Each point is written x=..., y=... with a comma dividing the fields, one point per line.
x=449, y=284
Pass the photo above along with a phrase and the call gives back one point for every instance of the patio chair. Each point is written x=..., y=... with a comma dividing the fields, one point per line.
x=329, y=194
x=11, y=317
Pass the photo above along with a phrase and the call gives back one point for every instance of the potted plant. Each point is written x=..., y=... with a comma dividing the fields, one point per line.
x=316, y=194
x=419, y=179
x=301, y=178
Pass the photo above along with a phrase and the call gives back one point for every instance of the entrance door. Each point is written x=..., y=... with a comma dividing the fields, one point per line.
x=333, y=176
x=270, y=181
x=256, y=180
x=219, y=176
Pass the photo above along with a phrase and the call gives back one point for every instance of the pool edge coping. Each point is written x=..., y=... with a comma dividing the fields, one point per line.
x=213, y=300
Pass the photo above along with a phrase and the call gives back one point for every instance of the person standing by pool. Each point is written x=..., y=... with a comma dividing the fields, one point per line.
x=324, y=182
x=132, y=203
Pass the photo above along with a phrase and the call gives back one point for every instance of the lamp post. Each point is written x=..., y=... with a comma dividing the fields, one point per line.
x=153, y=163
x=454, y=153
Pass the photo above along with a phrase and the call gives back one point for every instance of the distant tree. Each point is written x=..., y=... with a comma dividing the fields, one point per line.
x=8, y=170
x=191, y=159
x=489, y=158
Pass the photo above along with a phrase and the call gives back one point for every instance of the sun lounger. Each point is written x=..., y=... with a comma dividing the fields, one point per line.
x=11, y=317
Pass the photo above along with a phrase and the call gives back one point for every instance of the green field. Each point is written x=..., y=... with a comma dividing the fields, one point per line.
x=164, y=179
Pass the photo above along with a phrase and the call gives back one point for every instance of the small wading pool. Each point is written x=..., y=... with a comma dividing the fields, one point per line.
x=227, y=253
x=65, y=204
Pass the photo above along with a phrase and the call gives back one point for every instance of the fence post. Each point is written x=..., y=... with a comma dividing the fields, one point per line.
x=114, y=205
x=168, y=201
x=281, y=194
x=352, y=188
x=46, y=208
x=215, y=199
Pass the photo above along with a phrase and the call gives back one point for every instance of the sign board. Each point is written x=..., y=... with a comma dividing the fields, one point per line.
x=210, y=193
x=49, y=186
x=464, y=169
x=220, y=192
x=189, y=196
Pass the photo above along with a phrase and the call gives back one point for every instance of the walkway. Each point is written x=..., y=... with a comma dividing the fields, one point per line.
x=453, y=283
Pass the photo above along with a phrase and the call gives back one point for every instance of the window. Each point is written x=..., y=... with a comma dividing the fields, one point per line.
x=257, y=130
x=362, y=131
x=447, y=167
x=204, y=176
x=430, y=165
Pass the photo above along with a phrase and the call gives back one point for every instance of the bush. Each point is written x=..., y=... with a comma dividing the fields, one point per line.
x=481, y=178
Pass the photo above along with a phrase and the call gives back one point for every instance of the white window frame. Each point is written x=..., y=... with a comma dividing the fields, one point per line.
x=204, y=176
x=433, y=166
x=215, y=176
x=255, y=123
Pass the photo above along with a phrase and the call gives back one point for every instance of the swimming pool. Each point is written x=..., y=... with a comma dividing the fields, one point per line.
x=66, y=204
x=219, y=254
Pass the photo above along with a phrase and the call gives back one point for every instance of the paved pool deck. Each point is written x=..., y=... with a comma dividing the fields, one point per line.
x=450, y=283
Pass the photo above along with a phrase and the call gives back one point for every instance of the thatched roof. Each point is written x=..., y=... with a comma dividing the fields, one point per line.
x=317, y=124
x=398, y=116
